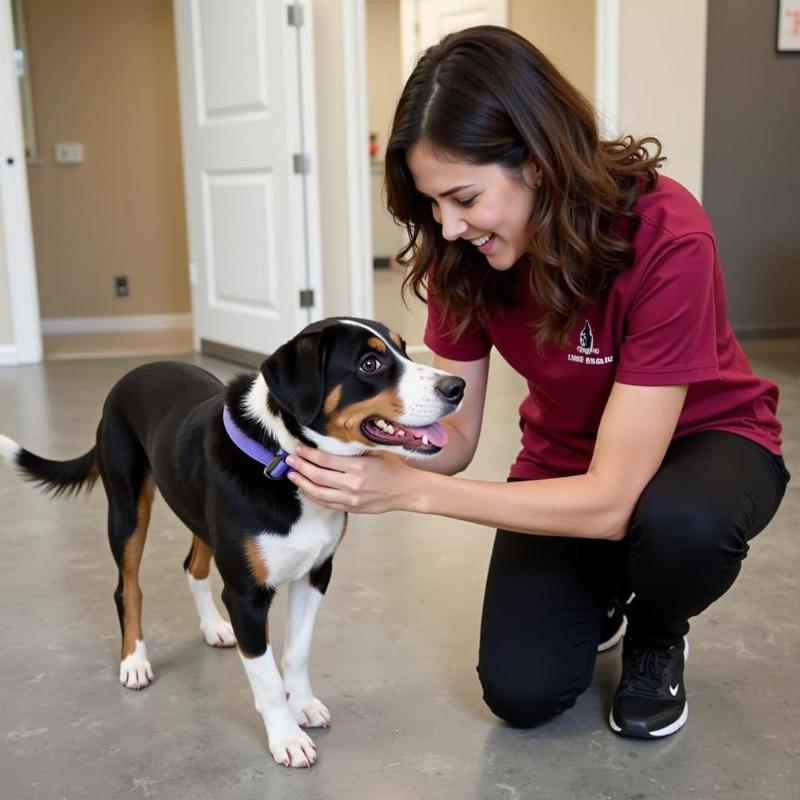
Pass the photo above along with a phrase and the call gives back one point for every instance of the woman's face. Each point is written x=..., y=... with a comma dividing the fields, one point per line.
x=481, y=203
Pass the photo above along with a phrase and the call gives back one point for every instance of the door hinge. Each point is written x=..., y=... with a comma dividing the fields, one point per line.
x=295, y=15
x=301, y=163
x=306, y=298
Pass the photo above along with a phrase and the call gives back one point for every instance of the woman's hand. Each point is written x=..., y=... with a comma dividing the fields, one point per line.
x=361, y=484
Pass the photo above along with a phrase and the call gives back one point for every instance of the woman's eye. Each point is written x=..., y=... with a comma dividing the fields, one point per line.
x=370, y=364
x=467, y=202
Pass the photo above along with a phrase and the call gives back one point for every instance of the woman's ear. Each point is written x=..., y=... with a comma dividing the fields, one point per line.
x=532, y=175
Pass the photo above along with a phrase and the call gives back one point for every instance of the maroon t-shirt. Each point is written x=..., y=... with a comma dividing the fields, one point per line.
x=663, y=322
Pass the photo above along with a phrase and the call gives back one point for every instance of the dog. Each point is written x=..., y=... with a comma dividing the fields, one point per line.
x=216, y=453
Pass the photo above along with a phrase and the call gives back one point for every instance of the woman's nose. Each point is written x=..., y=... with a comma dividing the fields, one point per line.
x=453, y=225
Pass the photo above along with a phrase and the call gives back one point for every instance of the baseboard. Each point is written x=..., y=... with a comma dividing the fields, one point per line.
x=249, y=358
x=8, y=355
x=122, y=324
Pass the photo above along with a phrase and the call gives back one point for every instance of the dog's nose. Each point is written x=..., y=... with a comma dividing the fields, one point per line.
x=451, y=388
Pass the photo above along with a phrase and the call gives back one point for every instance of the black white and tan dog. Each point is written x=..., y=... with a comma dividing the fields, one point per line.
x=216, y=454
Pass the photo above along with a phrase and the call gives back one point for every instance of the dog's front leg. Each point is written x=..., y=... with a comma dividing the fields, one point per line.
x=305, y=597
x=288, y=744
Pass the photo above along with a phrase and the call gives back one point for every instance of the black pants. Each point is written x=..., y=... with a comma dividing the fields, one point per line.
x=547, y=596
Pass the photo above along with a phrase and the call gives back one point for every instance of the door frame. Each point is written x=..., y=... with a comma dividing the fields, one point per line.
x=15, y=214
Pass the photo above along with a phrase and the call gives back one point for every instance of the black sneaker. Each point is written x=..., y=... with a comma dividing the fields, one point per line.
x=651, y=699
x=614, y=626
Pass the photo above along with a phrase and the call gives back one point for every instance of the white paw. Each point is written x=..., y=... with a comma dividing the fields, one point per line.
x=219, y=634
x=135, y=671
x=309, y=712
x=295, y=750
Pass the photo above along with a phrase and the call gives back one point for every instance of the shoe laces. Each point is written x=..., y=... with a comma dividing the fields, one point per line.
x=644, y=670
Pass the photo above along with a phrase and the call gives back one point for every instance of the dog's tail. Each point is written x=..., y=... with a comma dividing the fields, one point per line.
x=54, y=477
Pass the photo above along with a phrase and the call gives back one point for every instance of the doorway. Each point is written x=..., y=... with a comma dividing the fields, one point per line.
x=131, y=97
x=391, y=26
x=104, y=176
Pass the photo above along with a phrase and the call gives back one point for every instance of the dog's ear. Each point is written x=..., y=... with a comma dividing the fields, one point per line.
x=295, y=375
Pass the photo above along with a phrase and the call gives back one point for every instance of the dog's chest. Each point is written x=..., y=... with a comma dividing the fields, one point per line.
x=311, y=541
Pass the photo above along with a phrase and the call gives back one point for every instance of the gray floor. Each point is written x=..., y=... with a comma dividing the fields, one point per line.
x=393, y=656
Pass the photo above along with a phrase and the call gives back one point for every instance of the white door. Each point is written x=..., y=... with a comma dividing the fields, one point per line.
x=251, y=211
x=425, y=22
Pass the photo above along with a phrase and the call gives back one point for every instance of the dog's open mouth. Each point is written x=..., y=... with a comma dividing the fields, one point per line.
x=429, y=439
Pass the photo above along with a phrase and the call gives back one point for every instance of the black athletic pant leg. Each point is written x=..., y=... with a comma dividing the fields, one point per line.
x=546, y=596
x=542, y=617
x=690, y=530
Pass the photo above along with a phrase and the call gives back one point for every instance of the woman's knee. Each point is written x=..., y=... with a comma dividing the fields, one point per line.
x=681, y=535
x=525, y=700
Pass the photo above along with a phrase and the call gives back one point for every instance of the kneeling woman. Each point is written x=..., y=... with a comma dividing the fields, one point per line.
x=650, y=452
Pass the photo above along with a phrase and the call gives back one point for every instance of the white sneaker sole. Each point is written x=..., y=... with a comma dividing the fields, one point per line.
x=667, y=730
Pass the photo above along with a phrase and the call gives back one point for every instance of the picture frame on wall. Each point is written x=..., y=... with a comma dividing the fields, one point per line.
x=788, y=39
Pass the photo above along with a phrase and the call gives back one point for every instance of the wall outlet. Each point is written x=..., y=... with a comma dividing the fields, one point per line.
x=69, y=153
x=121, y=286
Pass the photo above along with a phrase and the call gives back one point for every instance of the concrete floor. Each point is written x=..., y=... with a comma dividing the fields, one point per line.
x=393, y=657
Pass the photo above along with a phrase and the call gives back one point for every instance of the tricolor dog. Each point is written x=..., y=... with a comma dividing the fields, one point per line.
x=216, y=454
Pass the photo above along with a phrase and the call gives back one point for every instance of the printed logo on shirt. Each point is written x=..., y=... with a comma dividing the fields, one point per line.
x=587, y=353
x=586, y=338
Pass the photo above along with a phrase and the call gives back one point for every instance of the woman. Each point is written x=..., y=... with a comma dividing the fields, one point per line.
x=650, y=452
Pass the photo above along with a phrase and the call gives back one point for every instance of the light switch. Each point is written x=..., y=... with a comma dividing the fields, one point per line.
x=69, y=153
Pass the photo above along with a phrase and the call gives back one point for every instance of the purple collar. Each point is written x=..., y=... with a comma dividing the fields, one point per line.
x=275, y=467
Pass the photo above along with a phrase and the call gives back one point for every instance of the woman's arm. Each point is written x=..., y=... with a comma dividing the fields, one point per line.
x=637, y=426
x=636, y=429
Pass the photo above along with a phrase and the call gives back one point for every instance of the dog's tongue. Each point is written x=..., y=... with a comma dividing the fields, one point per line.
x=436, y=433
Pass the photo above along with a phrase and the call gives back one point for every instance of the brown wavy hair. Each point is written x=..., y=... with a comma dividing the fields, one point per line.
x=488, y=96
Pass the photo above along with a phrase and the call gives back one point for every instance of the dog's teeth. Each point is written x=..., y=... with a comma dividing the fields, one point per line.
x=400, y=433
x=381, y=424
x=390, y=429
x=425, y=441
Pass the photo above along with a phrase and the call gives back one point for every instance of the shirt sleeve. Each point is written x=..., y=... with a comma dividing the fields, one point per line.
x=472, y=345
x=670, y=331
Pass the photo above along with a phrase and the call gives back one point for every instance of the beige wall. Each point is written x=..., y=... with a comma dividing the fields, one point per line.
x=564, y=31
x=662, y=79
x=104, y=75
x=384, y=84
x=384, y=75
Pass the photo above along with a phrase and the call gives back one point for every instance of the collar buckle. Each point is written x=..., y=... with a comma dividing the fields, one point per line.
x=276, y=468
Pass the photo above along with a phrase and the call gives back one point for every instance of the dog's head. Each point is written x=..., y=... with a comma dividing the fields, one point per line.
x=351, y=387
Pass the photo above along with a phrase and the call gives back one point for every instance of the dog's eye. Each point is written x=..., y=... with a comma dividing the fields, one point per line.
x=370, y=365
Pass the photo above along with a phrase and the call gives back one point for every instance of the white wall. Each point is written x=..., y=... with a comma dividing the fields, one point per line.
x=662, y=63
x=342, y=148
x=6, y=323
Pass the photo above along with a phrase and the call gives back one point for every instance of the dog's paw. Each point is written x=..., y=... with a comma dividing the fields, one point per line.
x=296, y=750
x=310, y=712
x=219, y=634
x=135, y=671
